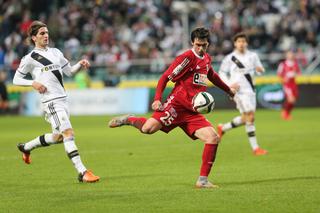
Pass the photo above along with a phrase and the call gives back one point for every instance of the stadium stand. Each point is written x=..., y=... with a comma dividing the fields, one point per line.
x=136, y=37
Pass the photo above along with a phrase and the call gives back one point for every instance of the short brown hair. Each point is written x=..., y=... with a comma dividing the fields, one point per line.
x=240, y=35
x=200, y=33
x=34, y=28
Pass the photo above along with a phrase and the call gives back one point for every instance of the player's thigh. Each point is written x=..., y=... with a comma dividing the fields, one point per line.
x=207, y=135
x=195, y=124
x=58, y=116
x=246, y=103
x=151, y=126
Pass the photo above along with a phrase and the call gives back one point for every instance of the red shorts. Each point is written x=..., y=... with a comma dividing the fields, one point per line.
x=291, y=90
x=175, y=114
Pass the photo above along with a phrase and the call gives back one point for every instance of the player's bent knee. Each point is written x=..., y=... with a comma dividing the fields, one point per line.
x=151, y=126
x=68, y=133
x=147, y=129
x=251, y=119
x=58, y=138
x=214, y=139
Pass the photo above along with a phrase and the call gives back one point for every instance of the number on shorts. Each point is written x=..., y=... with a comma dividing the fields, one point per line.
x=167, y=119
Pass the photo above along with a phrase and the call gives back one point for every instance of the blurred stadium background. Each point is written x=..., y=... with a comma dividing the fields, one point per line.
x=131, y=42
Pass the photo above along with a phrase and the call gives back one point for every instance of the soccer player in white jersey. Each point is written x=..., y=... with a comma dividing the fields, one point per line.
x=46, y=66
x=238, y=69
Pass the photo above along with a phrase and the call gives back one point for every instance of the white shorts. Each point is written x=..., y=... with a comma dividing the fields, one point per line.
x=246, y=102
x=57, y=114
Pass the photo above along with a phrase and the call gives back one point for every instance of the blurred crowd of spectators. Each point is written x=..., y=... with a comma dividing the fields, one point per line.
x=111, y=31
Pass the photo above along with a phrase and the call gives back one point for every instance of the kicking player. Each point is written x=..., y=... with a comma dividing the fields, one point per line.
x=287, y=72
x=237, y=70
x=46, y=66
x=189, y=71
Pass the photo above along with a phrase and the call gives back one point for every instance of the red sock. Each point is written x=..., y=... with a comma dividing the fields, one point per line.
x=288, y=107
x=137, y=122
x=208, y=157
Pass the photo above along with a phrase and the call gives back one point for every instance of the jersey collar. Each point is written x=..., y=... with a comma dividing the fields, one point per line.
x=194, y=52
x=41, y=49
x=240, y=53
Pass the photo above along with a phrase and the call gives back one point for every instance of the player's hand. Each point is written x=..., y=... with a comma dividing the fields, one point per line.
x=39, y=87
x=235, y=87
x=84, y=63
x=157, y=106
x=260, y=70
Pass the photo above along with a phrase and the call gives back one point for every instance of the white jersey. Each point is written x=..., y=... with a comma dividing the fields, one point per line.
x=240, y=68
x=46, y=66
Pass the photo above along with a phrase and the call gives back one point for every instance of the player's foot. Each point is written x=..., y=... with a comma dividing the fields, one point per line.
x=88, y=177
x=25, y=154
x=220, y=131
x=285, y=115
x=258, y=151
x=205, y=185
x=119, y=121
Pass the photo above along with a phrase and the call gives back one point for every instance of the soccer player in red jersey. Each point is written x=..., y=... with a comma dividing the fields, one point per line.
x=189, y=71
x=287, y=71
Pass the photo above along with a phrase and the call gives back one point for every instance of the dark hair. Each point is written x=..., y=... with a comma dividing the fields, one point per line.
x=34, y=28
x=240, y=35
x=200, y=33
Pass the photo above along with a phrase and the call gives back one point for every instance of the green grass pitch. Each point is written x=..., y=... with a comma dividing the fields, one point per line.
x=157, y=173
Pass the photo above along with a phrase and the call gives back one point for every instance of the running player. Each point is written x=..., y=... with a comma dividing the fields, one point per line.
x=237, y=70
x=287, y=72
x=189, y=71
x=46, y=66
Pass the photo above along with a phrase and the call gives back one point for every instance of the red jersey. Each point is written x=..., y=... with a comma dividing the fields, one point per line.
x=189, y=72
x=288, y=70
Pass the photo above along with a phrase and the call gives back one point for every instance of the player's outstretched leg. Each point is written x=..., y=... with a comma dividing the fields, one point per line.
x=236, y=122
x=119, y=121
x=130, y=120
x=25, y=154
x=41, y=141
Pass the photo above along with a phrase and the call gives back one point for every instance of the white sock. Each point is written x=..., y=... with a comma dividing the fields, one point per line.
x=203, y=178
x=73, y=154
x=237, y=121
x=43, y=140
x=251, y=131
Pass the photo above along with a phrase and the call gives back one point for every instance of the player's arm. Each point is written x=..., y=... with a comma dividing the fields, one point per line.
x=258, y=65
x=71, y=70
x=162, y=83
x=216, y=80
x=280, y=71
x=224, y=70
x=175, y=71
x=19, y=77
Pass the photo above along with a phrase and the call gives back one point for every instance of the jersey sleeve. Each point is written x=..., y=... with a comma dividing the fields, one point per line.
x=64, y=63
x=216, y=80
x=24, y=68
x=257, y=62
x=178, y=67
x=280, y=70
x=225, y=69
x=162, y=83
